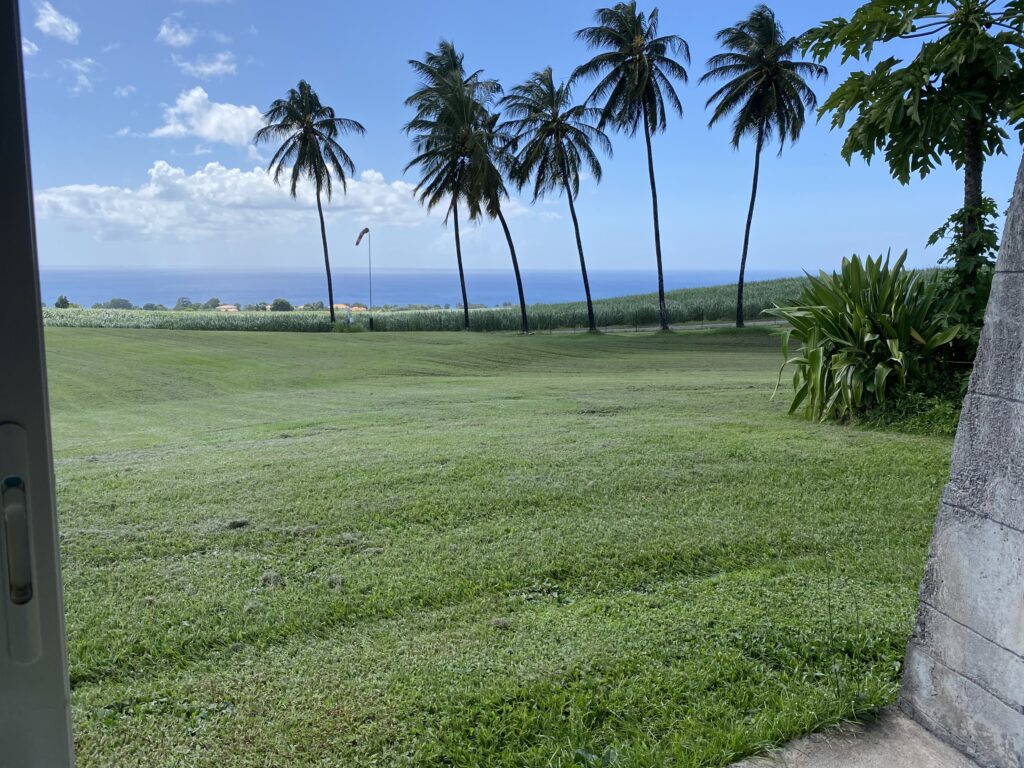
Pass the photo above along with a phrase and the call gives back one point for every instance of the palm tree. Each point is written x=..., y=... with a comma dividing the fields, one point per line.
x=636, y=69
x=441, y=72
x=309, y=131
x=497, y=159
x=463, y=154
x=557, y=138
x=768, y=92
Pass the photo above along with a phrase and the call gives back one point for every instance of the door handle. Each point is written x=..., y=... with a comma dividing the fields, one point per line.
x=19, y=549
x=17, y=573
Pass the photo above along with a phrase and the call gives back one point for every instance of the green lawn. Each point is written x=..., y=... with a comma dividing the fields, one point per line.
x=469, y=550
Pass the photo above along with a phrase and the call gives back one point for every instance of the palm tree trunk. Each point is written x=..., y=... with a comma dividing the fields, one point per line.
x=663, y=311
x=327, y=258
x=974, y=165
x=579, y=245
x=458, y=257
x=746, y=233
x=515, y=267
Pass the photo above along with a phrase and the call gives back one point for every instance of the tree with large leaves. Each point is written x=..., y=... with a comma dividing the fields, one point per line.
x=768, y=92
x=635, y=69
x=308, y=132
x=556, y=139
x=441, y=73
x=952, y=100
x=463, y=153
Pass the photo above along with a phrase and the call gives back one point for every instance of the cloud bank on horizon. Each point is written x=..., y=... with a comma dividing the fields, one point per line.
x=216, y=200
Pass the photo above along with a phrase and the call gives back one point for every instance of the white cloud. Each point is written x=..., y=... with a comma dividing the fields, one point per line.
x=28, y=48
x=124, y=91
x=206, y=67
x=81, y=69
x=221, y=38
x=193, y=114
x=173, y=34
x=51, y=22
x=123, y=131
x=217, y=202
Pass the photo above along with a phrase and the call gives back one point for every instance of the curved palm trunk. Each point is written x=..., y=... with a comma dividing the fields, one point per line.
x=515, y=267
x=327, y=258
x=746, y=233
x=458, y=257
x=662, y=309
x=579, y=246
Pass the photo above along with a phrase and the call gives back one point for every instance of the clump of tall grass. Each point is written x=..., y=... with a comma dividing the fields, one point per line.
x=187, y=321
x=686, y=305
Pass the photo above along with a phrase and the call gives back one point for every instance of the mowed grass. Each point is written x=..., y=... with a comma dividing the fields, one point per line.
x=470, y=550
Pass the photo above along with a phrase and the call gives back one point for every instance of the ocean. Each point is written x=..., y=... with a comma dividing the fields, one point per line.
x=390, y=286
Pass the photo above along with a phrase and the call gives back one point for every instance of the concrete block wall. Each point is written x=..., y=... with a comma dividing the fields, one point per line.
x=963, y=677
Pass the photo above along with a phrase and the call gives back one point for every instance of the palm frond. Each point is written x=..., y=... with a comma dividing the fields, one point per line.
x=764, y=88
x=635, y=68
x=554, y=135
x=307, y=130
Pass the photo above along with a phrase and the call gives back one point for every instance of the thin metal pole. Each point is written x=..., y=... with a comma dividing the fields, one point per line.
x=369, y=267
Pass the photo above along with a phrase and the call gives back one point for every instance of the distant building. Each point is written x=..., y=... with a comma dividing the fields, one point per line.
x=358, y=309
x=342, y=307
x=227, y=308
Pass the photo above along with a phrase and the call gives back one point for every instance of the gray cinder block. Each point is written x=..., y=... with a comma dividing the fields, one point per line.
x=964, y=673
x=961, y=712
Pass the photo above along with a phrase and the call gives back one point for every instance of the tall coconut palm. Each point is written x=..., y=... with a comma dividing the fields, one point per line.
x=557, y=138
x=308, y=132
x=463, y=154
x=768, y=92
x=442, y=75
x=492, y=151
x=494, y=159
x=635, y=67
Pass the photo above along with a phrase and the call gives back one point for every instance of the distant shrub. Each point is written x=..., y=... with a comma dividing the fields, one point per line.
x=281, y=305
x=115, y=304
x=154, y=307
x=62, y=302
x=864, y=333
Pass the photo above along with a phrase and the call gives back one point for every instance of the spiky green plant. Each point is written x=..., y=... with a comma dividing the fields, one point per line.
x=556, y=138
x=863, y=332
x=309, y=134
x=767, y=91
x=635, y=68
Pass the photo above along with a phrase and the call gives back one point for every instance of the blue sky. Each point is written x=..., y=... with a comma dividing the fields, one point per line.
x=140, y=114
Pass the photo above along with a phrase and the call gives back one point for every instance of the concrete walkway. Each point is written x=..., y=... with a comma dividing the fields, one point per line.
x=895, y=741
